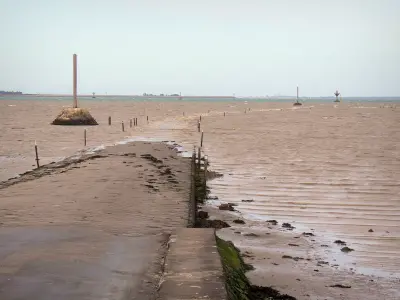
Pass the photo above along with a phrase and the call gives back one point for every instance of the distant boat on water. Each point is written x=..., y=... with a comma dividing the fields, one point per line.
x=337, y=96
x=93, y=95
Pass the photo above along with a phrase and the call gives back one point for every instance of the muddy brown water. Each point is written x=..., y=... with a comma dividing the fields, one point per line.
x=331, y=168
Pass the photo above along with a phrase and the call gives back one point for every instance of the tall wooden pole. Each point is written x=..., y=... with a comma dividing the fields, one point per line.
x=75, y=81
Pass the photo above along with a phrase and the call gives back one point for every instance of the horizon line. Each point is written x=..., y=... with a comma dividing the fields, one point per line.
x=187, y=96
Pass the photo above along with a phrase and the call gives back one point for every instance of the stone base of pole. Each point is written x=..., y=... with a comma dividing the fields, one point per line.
x=74, y=116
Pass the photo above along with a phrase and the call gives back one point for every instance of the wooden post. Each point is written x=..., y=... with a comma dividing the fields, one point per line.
x=84, y=136
x=205, y=175
x=130, y=123
x=198, y=126
x=201, y=141
x=200, y=118
x=109, y=120
x=37, y=155
x=75, y=80
x=136, y=121
x=147, y=119
x=123, y=127
x=224, y=114
x=245, y=111
x=199, y=157
x=193, y=187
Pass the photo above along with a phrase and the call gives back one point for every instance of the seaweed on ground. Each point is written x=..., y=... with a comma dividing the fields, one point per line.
x=237, y=285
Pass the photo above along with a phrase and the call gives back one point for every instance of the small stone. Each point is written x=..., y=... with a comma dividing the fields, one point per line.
x=202, y=214
x=293, y=245
x=340, y=286
x=308, y=234
x=288, y=226
x=226, y=206
x=238, y=221
x=339, y=242
x=346, y=249
x=251, y=234
x=370, y=230
x=272, y=222
x=247, y=200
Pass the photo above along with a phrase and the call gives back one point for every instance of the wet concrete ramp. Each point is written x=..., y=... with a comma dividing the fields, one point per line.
x=77, y=263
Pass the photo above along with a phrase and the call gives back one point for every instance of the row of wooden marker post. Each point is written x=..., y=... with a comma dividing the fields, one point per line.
x=134, y=122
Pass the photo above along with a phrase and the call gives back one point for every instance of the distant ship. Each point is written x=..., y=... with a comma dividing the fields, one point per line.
x=93, y=95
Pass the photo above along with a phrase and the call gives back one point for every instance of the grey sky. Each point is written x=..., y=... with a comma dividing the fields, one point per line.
x=222, y=47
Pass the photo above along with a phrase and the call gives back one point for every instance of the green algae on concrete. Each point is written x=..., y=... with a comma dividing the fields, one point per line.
x=238, y=286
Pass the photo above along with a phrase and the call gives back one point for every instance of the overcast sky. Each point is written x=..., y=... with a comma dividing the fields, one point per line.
x=248, y=47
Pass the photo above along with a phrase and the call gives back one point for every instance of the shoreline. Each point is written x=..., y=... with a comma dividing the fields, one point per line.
x=293, y=263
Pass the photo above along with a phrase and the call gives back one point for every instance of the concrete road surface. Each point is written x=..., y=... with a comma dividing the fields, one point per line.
x=65, y=263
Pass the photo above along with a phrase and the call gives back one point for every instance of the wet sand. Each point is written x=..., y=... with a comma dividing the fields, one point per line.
x=294, y=264
x=93, y=229
x=331, y=168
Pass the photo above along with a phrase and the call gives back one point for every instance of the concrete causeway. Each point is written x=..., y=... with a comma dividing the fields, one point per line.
x=193, y=268
x=98, y=230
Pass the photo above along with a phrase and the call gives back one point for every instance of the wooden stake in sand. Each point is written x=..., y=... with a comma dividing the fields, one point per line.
x=200, y=118
x=201, y=140
x=198, y=126
x=205, y=173
x=37, y=155
x=109, y=120
x=84, y=136
x=147, y=119
x=224, y=114
x=199, y=155
x=136, y=122
x=123, y=127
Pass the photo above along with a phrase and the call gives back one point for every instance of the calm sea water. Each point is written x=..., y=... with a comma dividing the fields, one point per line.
x=332, y=167
x=202, y=99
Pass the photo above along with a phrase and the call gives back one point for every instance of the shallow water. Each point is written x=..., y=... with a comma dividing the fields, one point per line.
x=333, y=168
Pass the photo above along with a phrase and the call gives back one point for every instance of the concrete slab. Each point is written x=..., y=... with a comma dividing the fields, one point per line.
x=67, y=263
x=193, y=267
